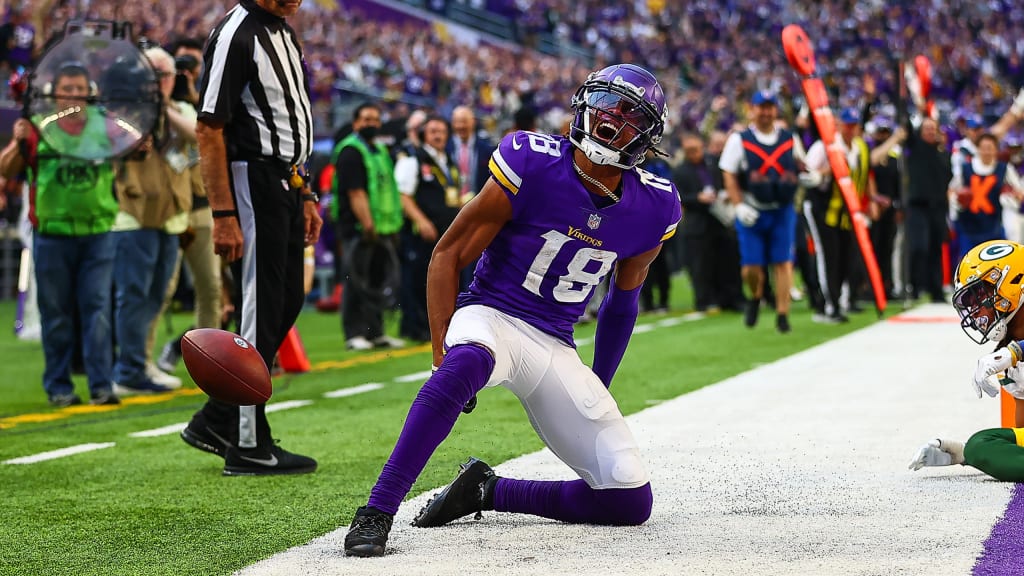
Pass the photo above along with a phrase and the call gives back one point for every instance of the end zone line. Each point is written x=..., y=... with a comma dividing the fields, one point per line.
x=54, y=454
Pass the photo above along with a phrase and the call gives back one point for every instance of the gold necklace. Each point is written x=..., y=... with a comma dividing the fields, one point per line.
x=594, y=181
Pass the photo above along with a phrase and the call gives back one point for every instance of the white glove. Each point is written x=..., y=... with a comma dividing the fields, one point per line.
x=747, y=214
x=991, y=365
x=938, y=453
x=1018, y=104
x=811, y=179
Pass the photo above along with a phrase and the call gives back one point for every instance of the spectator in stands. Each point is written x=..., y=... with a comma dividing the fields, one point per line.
x=709, y=240
x=155, y=196
x=370, y=217
x=430, y=184
x=74, y=248
x=760, y=166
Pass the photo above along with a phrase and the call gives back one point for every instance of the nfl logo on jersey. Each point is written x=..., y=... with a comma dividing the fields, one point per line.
x=594, y=221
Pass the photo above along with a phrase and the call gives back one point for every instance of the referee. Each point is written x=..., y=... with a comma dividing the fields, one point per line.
x=255, y=132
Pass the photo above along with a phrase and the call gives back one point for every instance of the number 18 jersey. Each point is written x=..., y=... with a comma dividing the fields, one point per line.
x=543, y=265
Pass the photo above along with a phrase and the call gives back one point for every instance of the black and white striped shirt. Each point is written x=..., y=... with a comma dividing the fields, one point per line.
x=255, y=84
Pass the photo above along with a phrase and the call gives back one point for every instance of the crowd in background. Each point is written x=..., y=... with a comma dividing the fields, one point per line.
x=711, y=57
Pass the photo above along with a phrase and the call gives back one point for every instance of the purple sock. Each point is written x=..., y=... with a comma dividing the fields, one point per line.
x=574, y=501
x=463, y=373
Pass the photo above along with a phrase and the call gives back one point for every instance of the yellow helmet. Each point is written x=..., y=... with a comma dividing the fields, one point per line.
x=987, y=289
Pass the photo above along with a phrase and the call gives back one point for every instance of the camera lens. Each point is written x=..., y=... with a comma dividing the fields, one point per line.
x=186, y=62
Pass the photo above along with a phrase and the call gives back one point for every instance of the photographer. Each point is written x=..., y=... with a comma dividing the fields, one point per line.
x=188, y=63
x=155, y=195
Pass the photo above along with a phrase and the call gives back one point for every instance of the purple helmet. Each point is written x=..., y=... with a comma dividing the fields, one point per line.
x=619, y=114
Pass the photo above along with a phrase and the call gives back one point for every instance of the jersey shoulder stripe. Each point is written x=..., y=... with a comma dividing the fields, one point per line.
x=504, y=173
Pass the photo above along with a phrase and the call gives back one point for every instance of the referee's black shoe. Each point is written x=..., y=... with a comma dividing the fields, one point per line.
x=368, y=534
x=471, y=491
x=265, y=461
x=201, y=436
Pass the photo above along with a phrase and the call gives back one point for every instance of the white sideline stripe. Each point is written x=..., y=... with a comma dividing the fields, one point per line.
x=161, y=431
x=414, y=377
x=288, y=405
x=641, y=328
x=54, y=454
x=370, y=387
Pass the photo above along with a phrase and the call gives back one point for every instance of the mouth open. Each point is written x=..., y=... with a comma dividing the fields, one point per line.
x=606, y=132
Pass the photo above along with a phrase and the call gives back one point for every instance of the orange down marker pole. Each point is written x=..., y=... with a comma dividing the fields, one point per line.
x=1007, y=409
x=291, y=354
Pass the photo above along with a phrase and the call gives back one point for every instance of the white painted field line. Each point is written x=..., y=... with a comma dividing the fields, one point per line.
x=370, y=387
x=54, y=454
x=161, y=431
x=413, y=377
x=287, y=405
x=175, y=428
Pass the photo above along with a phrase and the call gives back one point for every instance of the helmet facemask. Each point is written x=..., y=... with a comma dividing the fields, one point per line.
x=615, y=123
x=984, y=313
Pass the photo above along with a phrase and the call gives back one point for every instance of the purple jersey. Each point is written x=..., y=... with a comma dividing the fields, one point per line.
x=543, y=265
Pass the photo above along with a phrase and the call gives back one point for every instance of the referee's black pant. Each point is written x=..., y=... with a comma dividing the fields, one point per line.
x=268, y=286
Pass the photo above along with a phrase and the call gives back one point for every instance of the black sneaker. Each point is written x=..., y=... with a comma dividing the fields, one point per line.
x=750, y=314
x=265, y=461
x=204, y=438
x=471, y=491
x=104, y=398
x=368, y=533
x=65, y=400
x=782, y=324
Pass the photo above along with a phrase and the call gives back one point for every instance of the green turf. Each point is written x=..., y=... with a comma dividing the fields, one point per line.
x=156, y=506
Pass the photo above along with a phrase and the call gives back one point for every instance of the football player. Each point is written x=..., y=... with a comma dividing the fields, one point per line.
x=988, y=296
x=556, y=217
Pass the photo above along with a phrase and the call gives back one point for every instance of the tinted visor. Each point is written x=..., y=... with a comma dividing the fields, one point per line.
x=624, y=108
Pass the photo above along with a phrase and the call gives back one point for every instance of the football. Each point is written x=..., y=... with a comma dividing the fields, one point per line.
x=226, y=366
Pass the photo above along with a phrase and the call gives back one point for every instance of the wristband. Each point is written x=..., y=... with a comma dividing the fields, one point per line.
x=311, y=197
x=225, y=213
x=1016, y=354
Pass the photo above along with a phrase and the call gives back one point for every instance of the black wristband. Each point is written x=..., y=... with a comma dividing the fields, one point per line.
x=311, y=197
x=225, y=213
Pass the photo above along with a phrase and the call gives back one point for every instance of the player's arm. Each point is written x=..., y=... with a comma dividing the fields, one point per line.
x=474, y=228
x=617, y=315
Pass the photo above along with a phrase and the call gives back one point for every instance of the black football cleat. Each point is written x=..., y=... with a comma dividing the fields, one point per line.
x=368, y=534
x=265, y=462
x=471, y=491
x=202, y=437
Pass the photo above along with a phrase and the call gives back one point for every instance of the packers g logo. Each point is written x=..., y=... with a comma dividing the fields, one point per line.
x=995, y=252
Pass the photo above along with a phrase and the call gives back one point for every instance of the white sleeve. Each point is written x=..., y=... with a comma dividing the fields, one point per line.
x=407, y=174
x=1013, y=178
x=956, y=161
x=816, y=160
x=732, y=159
x=799, y=154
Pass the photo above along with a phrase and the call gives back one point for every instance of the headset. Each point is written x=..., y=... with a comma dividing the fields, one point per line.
x=71, y=68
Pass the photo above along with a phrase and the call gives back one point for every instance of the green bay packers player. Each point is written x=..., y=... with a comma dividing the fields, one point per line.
x=988, y=295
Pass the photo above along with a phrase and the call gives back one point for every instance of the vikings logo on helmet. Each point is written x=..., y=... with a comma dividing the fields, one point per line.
x=988, y=290
x=620, y=113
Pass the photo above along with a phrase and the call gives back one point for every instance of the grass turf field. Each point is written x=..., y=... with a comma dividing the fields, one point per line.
x=157, y=506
